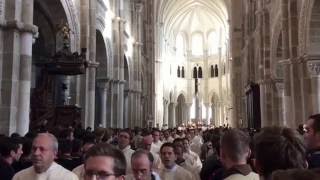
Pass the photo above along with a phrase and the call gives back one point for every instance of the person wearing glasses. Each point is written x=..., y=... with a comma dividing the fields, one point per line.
x=141, y=164
x=104, y=162
x=44, y=151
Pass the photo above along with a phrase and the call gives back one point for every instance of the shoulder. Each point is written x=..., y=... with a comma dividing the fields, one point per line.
x=23, y=174
x=250, y=176
x=65, y=172
x=183, y=171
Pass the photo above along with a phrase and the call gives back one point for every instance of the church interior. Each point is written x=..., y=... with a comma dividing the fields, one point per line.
x=158, y=63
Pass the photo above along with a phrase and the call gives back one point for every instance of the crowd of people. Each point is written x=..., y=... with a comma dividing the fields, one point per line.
x=270, y=153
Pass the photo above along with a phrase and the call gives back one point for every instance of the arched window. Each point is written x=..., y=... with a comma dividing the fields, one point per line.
x=211, y=71
x=216, y=71
x=180, y=46
x=200, y=72
x=197, y=44
x=195, y=72
x=182, y=72
x=213, y=43
x=178, y=71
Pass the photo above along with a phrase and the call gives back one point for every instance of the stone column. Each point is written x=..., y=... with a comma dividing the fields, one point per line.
x=288, y=108
x=165, y=113
x=110, y=106
x=313, y=66
x=188, y=112
x=90, y=110
x=126, y=110
x=266, y=88
x=208, y=106
x=103, y=91
x=139, y=115
x=172, y=115
x=26, y=39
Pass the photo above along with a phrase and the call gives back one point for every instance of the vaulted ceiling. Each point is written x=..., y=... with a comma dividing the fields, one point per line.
x=192, y=15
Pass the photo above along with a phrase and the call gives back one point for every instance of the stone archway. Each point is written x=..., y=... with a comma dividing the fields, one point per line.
x=49, y=92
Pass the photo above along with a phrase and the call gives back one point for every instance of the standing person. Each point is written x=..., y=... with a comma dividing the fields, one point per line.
x=147, y=144
x=278, y=148
x=124, y=138
x=170, y=170
x=156, y=144
x=10, y=151
x=44, y=151
x=103, y=161
x=312, y=138
x=141, y=164
x=234, y=153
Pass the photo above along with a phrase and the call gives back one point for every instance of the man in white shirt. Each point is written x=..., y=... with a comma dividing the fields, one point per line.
x=147, y=143
x=141, y=163
x=44, y=151
x=156, y=144
x=124, y=145
x=191, y=156
x=170, y=170
x=103, y=161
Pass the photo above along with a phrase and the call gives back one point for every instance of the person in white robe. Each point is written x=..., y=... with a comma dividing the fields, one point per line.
x=44, y=151
x=141, y=164
x=124, y=138
x=169, y=169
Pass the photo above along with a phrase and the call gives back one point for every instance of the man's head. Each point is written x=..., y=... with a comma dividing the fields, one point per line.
x=104, y=161
x=44, y=151
x=11, y=148
x=124, y=138
x=278, y=148
x=186, y=144
x=166, y=134
x=234, y=148
x=156, y=135
x=147, y=142
x=312, y=132
x=167, y=155
x=141, y=164
x=178, y=150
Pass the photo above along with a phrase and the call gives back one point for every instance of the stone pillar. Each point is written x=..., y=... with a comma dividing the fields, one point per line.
x=198, y=109
x=103, y=91
x=313, y=66
x=266, y=88
x=126, y=110
x=188, y=112
x=139, y=115
x=172, y=115
x=110, y=106
x=288, y=108
x=90, y=110
x=16, y=62
x=208, y=106
x=26, y=38
x=165, y=113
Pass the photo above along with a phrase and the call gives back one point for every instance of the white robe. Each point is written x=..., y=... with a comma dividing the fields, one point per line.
x=127, y=151
x=79, y=171
x=54, y=172
x=176, y=173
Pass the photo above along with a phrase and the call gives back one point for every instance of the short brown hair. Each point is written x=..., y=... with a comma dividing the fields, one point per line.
x=235, y=144
x=104, y=149
x=279, y=148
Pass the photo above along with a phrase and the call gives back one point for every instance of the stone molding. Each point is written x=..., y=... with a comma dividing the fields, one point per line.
x=20, y=26
x=92, y=64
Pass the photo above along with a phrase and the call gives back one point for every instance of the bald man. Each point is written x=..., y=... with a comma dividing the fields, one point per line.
x=44, y=151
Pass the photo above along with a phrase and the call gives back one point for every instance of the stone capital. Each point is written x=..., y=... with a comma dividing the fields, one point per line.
x=20, y=26
x=92, y=64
